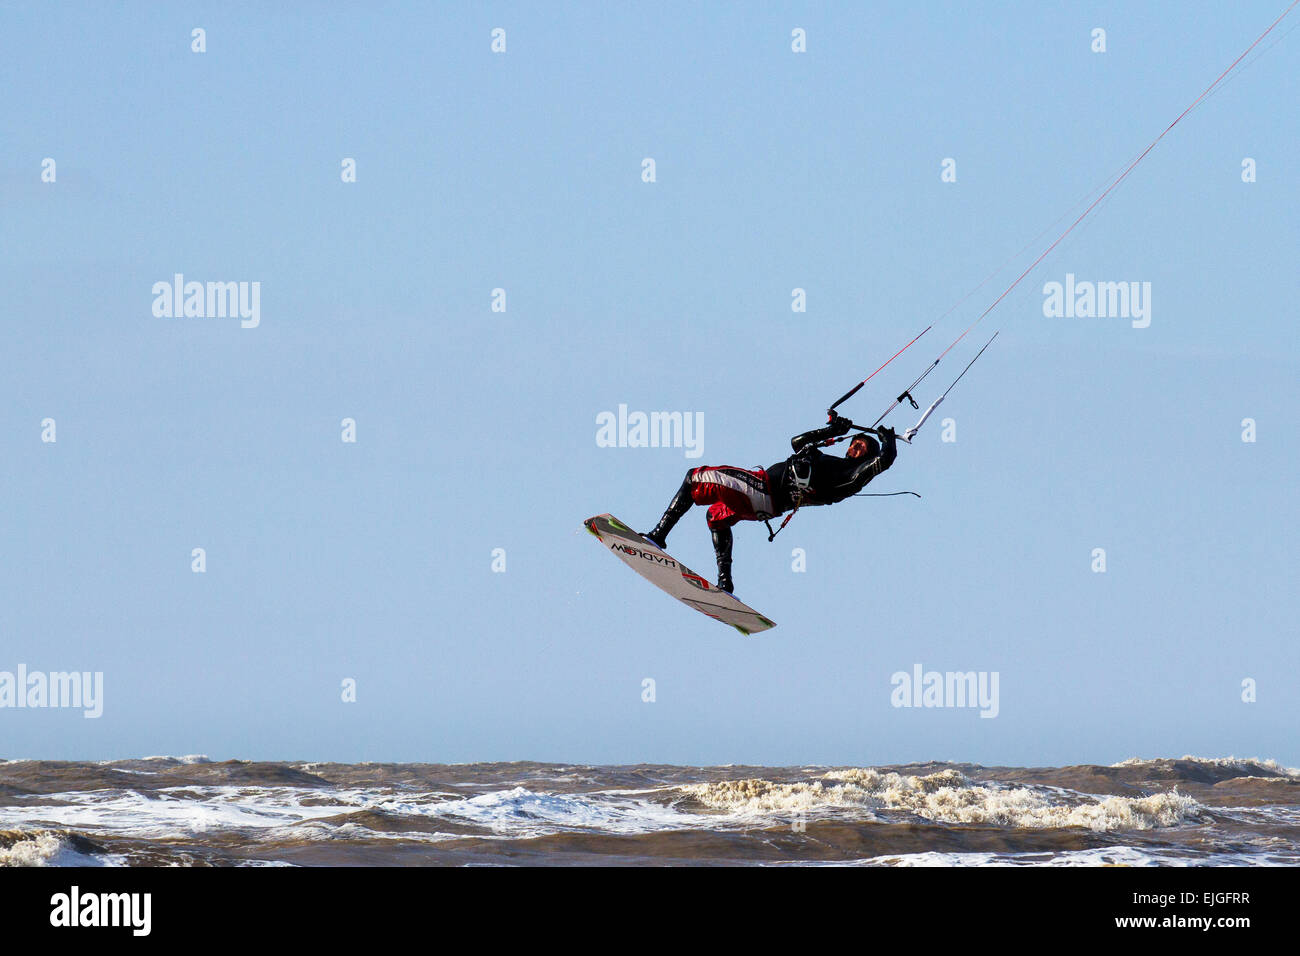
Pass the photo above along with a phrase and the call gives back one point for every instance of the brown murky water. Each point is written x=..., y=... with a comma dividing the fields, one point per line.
x=191, y=811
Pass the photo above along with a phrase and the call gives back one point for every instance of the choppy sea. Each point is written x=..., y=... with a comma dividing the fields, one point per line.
x=193, y=811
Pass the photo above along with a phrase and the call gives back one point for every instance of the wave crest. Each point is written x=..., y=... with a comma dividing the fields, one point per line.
x=48, y=848
x=947, y=796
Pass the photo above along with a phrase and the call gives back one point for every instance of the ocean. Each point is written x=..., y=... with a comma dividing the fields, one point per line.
x=193, y=811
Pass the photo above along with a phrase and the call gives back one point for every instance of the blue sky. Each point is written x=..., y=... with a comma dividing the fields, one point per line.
x=476, y=429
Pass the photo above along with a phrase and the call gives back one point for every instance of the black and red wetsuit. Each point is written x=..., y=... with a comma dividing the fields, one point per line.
x=742, y=494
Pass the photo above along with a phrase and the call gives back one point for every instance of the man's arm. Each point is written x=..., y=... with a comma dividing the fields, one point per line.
x=857, y=479
x=838, y=426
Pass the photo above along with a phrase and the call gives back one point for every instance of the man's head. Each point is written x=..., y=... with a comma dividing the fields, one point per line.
x=863, y=446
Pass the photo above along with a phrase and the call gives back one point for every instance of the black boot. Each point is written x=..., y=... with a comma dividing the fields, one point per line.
x=722, y=551
x=680, y=504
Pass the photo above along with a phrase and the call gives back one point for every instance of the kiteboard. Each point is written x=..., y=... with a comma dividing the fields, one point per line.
x=670, y=575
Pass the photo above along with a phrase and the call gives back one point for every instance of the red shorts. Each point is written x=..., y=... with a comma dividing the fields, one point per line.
x=732, y=494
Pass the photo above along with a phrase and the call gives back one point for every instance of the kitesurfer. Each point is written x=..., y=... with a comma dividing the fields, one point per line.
x=808, y=477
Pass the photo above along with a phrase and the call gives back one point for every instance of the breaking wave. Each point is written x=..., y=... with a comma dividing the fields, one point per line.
x=949, y=797
x=49, y=848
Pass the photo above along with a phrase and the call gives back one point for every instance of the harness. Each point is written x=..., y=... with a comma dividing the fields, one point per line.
x=799, y=479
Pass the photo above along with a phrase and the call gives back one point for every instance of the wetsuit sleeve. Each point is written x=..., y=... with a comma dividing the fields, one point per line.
x=856, y=479
x=800, y=442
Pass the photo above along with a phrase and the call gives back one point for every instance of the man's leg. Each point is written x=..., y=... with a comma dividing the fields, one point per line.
x=722, y=551
x=680, y=504
x=737, y=495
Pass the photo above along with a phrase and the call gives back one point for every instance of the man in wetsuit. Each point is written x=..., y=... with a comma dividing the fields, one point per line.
x=808, y=477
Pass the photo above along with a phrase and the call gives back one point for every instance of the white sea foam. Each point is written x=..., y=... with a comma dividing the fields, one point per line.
x=510, y=811
x=264, y=863
x=325, y=831
x=1095, y=856
x=167, y=812
x=299, y=813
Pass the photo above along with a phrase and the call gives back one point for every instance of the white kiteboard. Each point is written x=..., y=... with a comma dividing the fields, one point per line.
x=668, y=574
